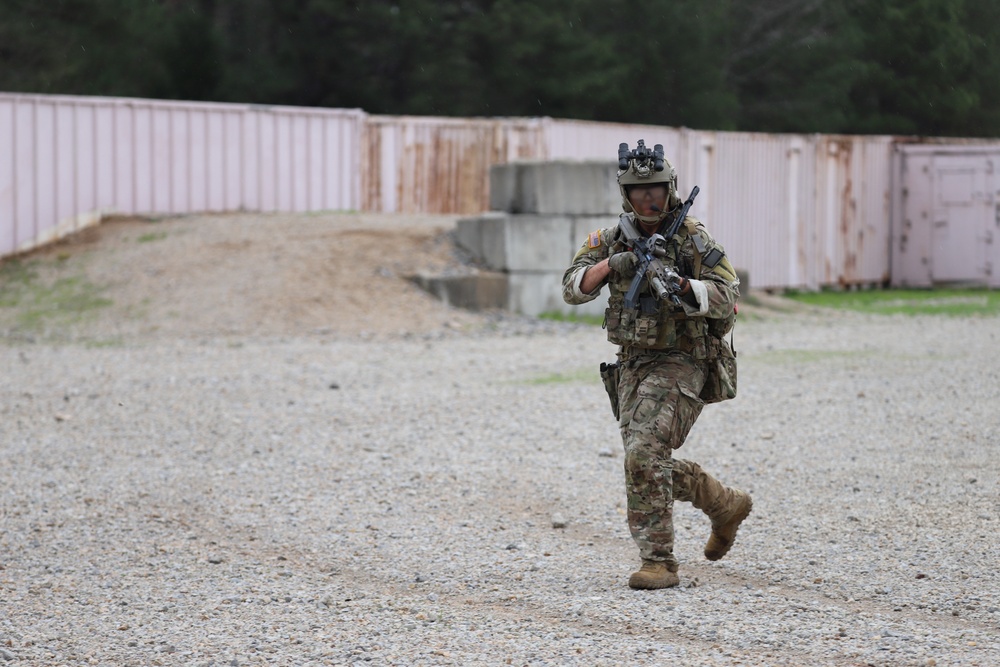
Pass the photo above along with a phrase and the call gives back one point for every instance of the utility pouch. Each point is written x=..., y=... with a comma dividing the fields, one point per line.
x=609, y=375
x=720, y=378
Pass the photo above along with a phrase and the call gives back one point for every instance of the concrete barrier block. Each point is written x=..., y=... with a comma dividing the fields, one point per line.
x=494, y=231
x=480, y=291
x=536, y=293
x=468, y=236
x=505, y=242
x=577, y=188
x=503, y=187
x=584, y=224
x=482, y=237
x=538, y=243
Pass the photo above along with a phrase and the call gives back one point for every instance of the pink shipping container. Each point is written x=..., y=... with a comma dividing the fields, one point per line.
x=796, y=210
x=66, y=160
x=948, y=227
x=802, y=211
x=440, y=165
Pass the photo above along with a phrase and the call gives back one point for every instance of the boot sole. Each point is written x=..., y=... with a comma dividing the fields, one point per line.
x=652, y=586
x=739, y=519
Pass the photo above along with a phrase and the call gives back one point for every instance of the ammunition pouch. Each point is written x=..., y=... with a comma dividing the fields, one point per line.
x=654, y=326
x=609, y=375
x=720, y=372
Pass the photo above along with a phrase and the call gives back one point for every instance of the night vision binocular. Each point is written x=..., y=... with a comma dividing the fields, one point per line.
x=642, y=157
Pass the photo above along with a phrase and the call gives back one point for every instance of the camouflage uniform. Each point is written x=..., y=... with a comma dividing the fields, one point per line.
x=663, y=352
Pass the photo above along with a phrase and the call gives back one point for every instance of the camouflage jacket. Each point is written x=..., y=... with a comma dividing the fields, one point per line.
x=659, y=325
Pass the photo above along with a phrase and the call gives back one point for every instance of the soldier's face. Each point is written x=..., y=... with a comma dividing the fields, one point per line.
x=645, y=197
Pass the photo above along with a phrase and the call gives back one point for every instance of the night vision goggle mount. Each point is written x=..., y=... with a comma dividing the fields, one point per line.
x=644, y=160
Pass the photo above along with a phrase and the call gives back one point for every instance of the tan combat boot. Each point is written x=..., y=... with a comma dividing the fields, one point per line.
x=725, y=525
x=653, y=574
x=725, y=506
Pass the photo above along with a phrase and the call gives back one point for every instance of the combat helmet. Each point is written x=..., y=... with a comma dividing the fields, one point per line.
x=642, y=166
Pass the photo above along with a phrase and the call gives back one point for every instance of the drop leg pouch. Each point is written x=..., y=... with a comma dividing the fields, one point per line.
x=609, y=375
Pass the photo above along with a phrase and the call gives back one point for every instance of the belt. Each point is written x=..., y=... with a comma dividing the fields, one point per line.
x=683, y=344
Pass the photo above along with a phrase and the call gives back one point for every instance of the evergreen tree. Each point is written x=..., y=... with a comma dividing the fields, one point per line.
x=918, y=70
x=105, y=47
x=859, y=66
x=792, y=64
x=982, y=24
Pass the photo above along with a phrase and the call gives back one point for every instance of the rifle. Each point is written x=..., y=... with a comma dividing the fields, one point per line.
x=664, y=280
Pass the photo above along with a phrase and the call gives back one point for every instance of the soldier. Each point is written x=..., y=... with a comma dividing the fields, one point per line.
x=668, y=357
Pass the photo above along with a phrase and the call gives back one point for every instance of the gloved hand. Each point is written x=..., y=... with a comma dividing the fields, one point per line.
x=624, y=263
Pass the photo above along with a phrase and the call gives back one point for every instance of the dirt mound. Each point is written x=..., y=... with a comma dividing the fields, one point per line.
x=240, y=274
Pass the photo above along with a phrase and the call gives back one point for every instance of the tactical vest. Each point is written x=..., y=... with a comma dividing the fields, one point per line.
x=654, y=324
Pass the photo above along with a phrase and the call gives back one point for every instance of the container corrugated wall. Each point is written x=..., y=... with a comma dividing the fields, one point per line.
x=440, y=165
x=64, y=160
x=587, y=140
x=794, y=210
x=752, y=189
x=946, y=227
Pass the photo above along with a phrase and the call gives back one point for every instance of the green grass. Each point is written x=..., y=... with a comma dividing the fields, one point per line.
x=65, y=301
x=36, y=303
x=152, y=236
x=596, y=320
x=579, y=375
x=104, y=343
x=948, y=302
x=15, y=279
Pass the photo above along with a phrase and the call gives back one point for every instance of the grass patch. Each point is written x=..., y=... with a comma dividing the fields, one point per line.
x=947, y=302
x=36, y=303
x=578, y=376
x=104, y=343
x=152, y=236
x=16, y=278
x=66, y=301
x=595, y=320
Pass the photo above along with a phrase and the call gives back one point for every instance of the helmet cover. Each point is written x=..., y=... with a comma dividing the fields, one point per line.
x=642, y=166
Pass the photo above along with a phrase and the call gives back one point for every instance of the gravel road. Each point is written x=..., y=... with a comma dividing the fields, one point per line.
x=453, y=495
x=319, y=501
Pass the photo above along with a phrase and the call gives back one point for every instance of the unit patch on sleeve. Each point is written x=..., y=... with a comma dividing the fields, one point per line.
x=594, y=241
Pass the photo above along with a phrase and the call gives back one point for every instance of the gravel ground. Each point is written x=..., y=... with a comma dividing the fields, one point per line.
x=323, y=499
x=317, y=501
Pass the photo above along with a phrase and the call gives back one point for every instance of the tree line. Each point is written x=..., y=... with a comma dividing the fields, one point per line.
x=927, y=67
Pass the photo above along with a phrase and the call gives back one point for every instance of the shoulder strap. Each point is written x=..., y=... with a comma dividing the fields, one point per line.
x=699, y=244
x=713, y=257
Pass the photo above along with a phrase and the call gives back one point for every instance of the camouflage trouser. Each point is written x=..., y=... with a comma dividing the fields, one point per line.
x=658, y=398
